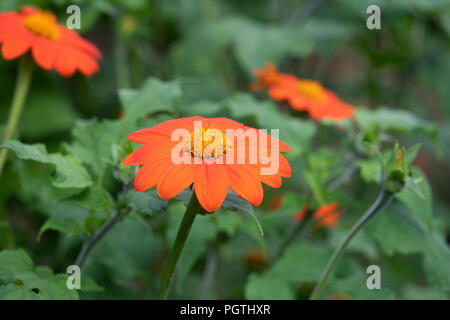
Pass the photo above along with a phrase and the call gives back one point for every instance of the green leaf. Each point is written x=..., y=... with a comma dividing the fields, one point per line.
x=153, y=96
x=69, y=172
x=232, y=202
x=299, y=264
x=250, y=43
x=19, y=279
x=147, y=202
x=437, y=262
x=417, y=197
x=95, y=198
x=126, y=252
x=396, y=230
x=263, y=288
x=385, y=119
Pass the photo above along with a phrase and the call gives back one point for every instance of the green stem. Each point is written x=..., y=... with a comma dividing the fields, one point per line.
x=20, y=93
x=92, y=242
x=22, y=85
x=183, y=232
x=384, y=198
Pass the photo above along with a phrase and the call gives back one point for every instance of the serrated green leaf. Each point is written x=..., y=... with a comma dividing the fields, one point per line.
x=22, y=280
x=69, y=172
x=147, y=202
x=153, y=96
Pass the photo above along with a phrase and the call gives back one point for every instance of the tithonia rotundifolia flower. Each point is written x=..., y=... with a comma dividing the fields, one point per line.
x=52, y=45
x=302, y=94
x=210, y=154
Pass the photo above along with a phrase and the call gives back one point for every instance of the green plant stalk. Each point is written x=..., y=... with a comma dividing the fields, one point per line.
x=384, y=198
x=92, y=242
x=183, y=232
x=20, y=93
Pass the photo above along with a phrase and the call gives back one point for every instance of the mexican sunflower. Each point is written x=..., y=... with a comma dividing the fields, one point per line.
x=326, y=215
x=216, y=154
x=302, y=94
x=52, y=45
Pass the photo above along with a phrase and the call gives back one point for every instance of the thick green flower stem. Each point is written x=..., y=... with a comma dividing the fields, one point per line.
x=183, y=232
x=20, y=94
x=384, y=198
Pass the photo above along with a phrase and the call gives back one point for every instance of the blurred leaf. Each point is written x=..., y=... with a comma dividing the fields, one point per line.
x=147, y=202
x=232, y=202
x=299, y=264
x=19, y=279
x=59, y=115
x=126, y=252
x=69, y=173
x=153, y=96
x=437, y=262
x=386, y=119
x=417, y=197
x=94, y=198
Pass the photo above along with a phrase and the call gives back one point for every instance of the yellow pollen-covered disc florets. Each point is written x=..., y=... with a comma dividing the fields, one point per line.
x=43, y=24
x=207, y=143
x=311, y=89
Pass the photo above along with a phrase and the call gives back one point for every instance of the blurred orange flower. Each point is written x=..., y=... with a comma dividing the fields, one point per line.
x=52, y=45
x=326, y=215
x=276, y=203
x=302, y=94
x=209, y=170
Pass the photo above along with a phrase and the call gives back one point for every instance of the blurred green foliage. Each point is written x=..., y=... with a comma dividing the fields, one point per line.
x=166, y=59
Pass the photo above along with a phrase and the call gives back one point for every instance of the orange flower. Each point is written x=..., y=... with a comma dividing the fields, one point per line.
x=276, y=203
x=52, y=45
x=302, y=94
x=266, y=77
x=326, y=215
x=214, y=154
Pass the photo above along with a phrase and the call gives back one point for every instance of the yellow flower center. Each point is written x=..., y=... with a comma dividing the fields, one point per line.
x=311, y=89
x=207, y=143
x=43, y=24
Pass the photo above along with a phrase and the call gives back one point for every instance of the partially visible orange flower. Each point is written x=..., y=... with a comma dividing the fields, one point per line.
x=276, y=203
x=302, y=94
x=52, y=45
x=266, y=77
x=255, y=260
x=326, y=215
x=202, y=158
x=299, y=216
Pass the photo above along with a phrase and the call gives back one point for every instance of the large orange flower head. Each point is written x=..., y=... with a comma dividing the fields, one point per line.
x=302, y=94
x=52, y=45
x=213, y=154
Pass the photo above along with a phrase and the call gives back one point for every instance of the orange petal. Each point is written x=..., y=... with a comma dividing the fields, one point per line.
x=65, y=63
x=273, y=181
x=175, y=180
x=149, y=173
x=16, y=43
x=244, y=180
x=147, y=153
x=211, y=185
x=164, y=129
x=44, y=52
